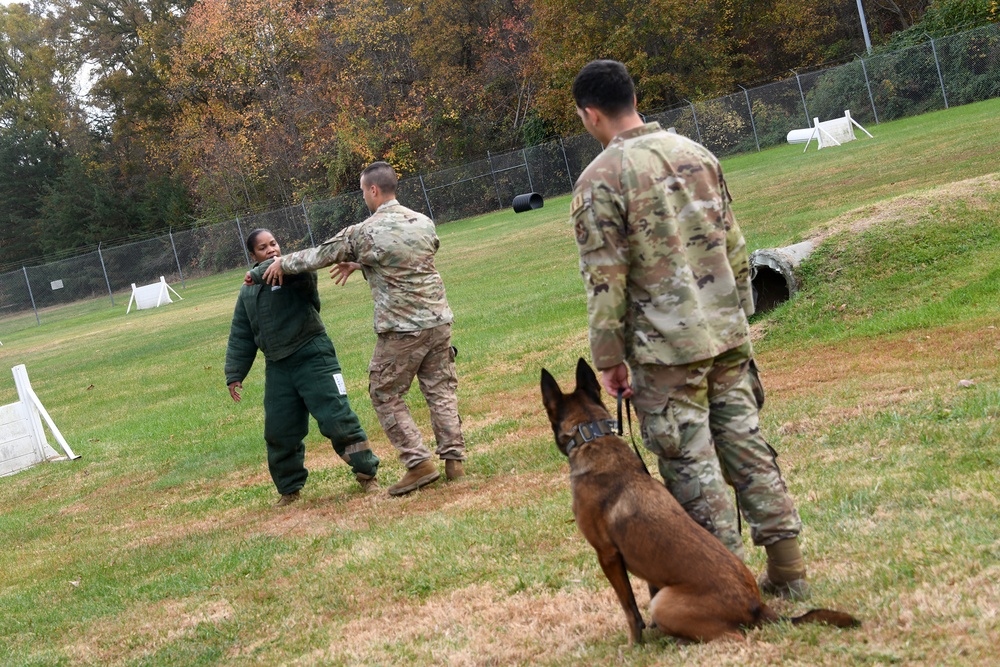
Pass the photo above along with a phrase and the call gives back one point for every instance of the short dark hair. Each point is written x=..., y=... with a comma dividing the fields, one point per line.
x=252, y=236
x=604, y=85
x=381, y=174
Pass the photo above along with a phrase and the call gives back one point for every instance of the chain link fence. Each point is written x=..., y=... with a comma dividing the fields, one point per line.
x=941, y=73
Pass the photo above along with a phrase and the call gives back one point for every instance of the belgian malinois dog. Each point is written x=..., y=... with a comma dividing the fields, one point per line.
x=700, y=591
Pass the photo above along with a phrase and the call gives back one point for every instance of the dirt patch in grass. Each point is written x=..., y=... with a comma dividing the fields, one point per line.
x=144, y=628
x=481, y=625
x=892, y=370
x=911, y=209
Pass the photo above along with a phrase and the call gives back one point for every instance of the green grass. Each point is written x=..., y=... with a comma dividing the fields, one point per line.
x=159, y=546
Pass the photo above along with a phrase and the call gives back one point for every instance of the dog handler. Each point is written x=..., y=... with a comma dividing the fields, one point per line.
x=395, y=248
x=668, y=295
x=302, y=373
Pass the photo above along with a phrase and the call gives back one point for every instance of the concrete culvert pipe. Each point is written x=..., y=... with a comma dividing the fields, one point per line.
x=773, y=274
x=527, y=202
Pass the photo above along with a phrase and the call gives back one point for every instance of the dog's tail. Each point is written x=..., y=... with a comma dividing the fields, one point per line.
x=837, y=619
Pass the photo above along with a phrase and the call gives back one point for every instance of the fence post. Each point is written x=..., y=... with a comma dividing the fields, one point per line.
x=938, y=65
x=176, y=258
x=752, y=124
x=489, y=159
x=239, y=229
x=31, y=295
x=695, y=114
x=427, y=200
x=527, y=170
x=802, y=96
x=569, y=173
x=869, y=87
x=107, y=282
x=305, y=216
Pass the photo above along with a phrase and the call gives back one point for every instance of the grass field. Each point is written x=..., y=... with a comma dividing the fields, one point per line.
x=160, y=545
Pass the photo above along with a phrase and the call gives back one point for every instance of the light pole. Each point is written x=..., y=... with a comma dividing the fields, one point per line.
x=864, y=27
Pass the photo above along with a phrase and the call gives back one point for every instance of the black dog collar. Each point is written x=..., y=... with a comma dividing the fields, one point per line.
x=587, y=431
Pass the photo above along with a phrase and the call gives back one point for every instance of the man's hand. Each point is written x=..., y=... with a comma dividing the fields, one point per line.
x=274, y=274
x=615, y=378
x=340, y=272
x=234, y=390
x=248, y=279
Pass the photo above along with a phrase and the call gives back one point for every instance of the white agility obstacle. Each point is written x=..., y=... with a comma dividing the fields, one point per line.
x=22, y=439
x=827, y=133
x=151, y=296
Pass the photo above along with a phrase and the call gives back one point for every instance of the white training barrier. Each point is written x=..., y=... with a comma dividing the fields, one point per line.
x=22, y=439
x=827, y=133
x=151, y=296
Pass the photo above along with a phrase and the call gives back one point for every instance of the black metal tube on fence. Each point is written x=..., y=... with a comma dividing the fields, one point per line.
x=427, y=200
x=31, y=296
x=305, y=216
x=695, y=114
x=868, y=85
x=753, y=125
x=937, y=64
x=489, y=159
x=527, y=169
x=107, y=282
x=239, y=230
x=802, y=95
x=569, y=172
x=177, y=259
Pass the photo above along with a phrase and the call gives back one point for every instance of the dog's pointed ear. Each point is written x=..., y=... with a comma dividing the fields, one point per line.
x=551, y=395
x=586, y=380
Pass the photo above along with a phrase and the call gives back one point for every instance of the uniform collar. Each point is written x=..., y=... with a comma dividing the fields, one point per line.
x=387, y=204
x=647, y=128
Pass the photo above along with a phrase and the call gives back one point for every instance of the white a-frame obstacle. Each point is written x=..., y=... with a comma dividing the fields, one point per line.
x=153, y=295
x=22, y=440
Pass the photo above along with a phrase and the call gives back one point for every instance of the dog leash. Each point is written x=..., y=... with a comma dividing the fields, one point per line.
x=631, y=435
x=628, y=414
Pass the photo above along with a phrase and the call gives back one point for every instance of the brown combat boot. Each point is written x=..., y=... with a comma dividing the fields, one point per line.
x=368, y=482
x=421, y=474
x=786, y=571
x=287, y=499
x=453, y=469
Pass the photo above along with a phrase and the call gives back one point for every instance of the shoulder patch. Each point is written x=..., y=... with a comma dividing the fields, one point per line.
x=588, y=235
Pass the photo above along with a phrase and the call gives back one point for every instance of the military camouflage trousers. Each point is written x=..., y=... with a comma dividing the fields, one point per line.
x=429, y=356
x=701, y=421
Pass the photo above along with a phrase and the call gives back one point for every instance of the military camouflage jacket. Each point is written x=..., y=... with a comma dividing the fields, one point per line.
x=395, y=248
x=662, y=258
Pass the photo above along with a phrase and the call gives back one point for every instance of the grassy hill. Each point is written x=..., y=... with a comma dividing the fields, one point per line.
x=160, y=545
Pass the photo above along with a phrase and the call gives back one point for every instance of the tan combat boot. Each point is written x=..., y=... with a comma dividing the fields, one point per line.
x=421, y=474
x=786, y=571
x=368, y=482
x=287, y=499
x=453, y=469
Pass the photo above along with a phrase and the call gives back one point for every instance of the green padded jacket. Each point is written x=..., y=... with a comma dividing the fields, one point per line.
x=276, y=320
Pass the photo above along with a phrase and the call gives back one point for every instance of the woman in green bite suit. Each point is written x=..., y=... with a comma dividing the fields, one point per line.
x=302, y=373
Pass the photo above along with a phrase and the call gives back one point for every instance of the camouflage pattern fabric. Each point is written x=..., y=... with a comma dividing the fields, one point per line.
x=663, y=260
x=668, y=292
x=429, y=356
x=701, y=421
x=395, y=247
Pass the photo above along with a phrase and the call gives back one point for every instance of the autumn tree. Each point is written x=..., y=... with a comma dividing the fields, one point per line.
x=674, y=49
x=236, y=78
x=40, y=123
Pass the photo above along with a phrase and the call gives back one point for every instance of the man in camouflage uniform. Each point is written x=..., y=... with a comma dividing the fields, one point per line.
x=395, y=249
x=668, y=294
